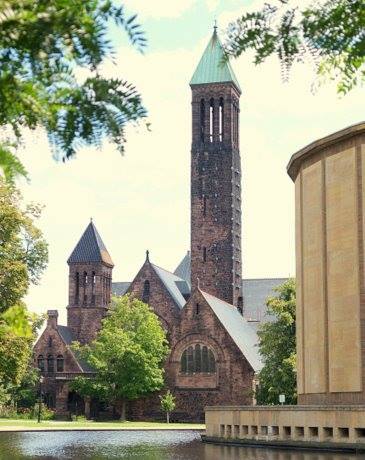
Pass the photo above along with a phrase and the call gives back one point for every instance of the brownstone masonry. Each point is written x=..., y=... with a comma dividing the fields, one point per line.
x=214, y=355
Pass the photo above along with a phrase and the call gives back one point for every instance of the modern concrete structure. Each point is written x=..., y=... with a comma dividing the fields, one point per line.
x=329, y=177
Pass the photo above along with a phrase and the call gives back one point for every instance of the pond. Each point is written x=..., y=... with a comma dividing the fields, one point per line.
x=139, y=445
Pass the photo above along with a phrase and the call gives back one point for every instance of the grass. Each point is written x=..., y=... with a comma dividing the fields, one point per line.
x=24, y=425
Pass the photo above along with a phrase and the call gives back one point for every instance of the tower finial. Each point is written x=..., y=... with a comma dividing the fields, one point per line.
x=91, y=219
x=147, y=255
x=215, y=27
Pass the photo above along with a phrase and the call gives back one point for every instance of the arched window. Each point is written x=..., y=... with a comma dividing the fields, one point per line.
x=41, y=364
x=221, y=119
x=77, y=287
x=211, y=120
x=60, y=363
x=85, y=286
x=50, y=342
x=202, y=120
x=146, y=292
x=93, y=283
x=50, y=364
x=198, y=359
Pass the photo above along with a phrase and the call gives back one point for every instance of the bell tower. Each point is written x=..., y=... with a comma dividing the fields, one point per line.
x=90, y=278
x=216, y=177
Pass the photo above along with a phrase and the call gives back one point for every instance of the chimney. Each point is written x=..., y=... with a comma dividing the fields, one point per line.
x=52, y=316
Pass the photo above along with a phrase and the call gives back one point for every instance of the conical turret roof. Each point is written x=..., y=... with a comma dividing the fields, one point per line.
x=212, y=68
x=90, y=248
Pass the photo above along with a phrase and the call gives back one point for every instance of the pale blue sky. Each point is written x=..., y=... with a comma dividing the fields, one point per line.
x=142, y=200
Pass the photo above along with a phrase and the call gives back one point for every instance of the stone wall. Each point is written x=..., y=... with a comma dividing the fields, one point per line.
x=216, y=194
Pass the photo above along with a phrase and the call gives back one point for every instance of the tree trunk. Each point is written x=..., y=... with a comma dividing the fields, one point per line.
x=168, y=417
x=122, y=415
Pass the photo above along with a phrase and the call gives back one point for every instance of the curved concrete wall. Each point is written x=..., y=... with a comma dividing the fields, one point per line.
x=329, y=177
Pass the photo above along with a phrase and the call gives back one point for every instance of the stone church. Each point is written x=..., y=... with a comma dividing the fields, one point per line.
x=204, y=306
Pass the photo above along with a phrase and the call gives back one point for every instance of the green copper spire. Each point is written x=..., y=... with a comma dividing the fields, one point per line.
x=211, y=68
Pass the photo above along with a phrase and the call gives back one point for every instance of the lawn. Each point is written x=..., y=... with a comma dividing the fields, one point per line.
x=24, y=425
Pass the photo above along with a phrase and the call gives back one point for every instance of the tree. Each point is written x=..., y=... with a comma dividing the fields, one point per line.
x=128, y=352
x=277, y=348
x=168, y=404
x=23, y=250
x=331, y=34
x=23, y=257
x=44, y=44
x=18, y=331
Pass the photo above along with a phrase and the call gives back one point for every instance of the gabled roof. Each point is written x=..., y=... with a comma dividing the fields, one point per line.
x=238, y=328
x=183, y=270
x=90, y=248
x=212, y=67
x=255, y=292
x=120, y=288
x=67, y=336
x=170, y=281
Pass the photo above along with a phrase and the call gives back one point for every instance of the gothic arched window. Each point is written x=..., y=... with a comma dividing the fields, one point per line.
x=93, y=283
x=50, y=364
x=146, y=292
x=221, y=128
x=198, y=359
x=77, y=287
x=50, y=342
x=211, y=120
x=202, y=120
x=85, y=286
x=41, y=363
x=60, y=363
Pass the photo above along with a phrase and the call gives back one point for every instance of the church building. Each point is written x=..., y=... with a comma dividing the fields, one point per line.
x=203, y=305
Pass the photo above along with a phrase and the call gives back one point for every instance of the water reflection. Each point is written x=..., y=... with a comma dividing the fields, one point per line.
x=214, y=452
x=139, y=445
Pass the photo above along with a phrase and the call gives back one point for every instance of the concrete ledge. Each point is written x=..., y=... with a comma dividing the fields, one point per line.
x=333, y=447
x=299, y=426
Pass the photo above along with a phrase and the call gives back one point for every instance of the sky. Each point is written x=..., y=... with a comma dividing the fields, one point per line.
x=141, y=200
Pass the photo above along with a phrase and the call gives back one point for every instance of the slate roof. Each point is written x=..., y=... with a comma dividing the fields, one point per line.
x=183, y=270
x=90, y=248
x=238, y=328
x=170, y=281
x=67, y=336
x=255, y=292
x=211, y=67
x=120, y=288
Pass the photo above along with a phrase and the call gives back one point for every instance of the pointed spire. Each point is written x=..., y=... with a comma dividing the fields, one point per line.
x=147, y=255
x=90, y=248
x=212, y=68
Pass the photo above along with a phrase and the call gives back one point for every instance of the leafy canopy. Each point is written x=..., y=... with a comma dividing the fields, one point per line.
x=331, y=34
x=277, y=347
x=128, y=353
x=168, y=402
x=43, y=45
x=23, y=250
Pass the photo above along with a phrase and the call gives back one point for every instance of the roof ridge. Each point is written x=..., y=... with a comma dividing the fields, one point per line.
x=167, y=271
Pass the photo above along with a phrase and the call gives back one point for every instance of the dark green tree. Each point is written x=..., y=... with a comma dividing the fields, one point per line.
x=128, y=353
x=43, y=44
x=277, y=347
x=330, y=34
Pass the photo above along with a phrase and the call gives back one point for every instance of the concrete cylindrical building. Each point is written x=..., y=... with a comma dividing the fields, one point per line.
x=329, y=177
